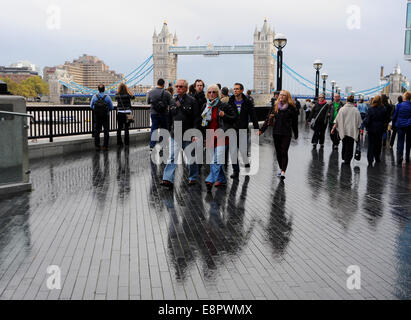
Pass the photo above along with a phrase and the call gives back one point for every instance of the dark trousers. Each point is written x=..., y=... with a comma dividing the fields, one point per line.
x=282, y=144
x=347, y=149
x=374, y=147
x=122, y=124
x=404, y=137
x=101, y=123
x=236, y=166
x=158, y=121
x=319, y=134
x=335, y=138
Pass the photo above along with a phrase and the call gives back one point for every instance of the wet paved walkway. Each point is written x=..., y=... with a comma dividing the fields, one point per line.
x=115, y=234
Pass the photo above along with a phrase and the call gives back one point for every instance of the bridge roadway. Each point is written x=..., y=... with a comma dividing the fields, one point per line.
x=103, y=218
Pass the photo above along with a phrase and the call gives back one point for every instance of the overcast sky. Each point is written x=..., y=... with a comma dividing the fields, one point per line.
x=120, y=33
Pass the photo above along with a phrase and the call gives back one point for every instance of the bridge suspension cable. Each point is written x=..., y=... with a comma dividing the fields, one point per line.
x=132, y=76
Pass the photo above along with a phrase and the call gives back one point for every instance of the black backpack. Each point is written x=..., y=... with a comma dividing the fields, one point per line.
x=101, y=107
x=159, y=106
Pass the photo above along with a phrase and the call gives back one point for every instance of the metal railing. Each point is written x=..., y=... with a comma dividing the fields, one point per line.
x=61, y=121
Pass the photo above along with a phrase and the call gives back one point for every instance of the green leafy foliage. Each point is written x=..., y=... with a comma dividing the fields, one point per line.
x=30, y=88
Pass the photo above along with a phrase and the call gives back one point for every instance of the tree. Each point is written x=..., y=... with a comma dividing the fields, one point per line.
x=30, y=87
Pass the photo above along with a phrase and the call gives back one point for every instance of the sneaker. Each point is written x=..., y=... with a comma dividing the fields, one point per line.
x=220, y=185
x=209, y=186
x=166, y=184
x=192, y=182
x=282, y=176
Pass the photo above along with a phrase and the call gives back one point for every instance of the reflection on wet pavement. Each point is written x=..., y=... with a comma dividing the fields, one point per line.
x=116, y=234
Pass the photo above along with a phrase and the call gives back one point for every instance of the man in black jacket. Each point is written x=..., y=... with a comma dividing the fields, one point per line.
x=199, y=93
x=246, y=112
x=183, y=109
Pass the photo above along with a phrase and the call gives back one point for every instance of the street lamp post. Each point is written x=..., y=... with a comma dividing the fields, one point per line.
x=280, y=41
x=317, y=66
x=324, y=76
x=333, y=83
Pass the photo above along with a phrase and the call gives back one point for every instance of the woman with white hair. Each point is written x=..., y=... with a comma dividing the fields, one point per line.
x=217, y=115
x=348, y=123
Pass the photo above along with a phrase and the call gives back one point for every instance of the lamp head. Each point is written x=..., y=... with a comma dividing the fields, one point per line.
x=318, y=65
x=280, y=41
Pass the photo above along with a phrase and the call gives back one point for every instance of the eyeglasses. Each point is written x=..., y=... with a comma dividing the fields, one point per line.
x=180, y=86
x=212, y=92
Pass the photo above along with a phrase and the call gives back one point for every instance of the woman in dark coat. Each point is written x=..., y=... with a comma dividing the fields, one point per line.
x=320, y=113
x=123, y=98
x=217, y=115
x=284, y=119
x=375, y=124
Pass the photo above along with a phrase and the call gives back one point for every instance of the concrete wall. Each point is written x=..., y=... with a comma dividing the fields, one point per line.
x=13, y=140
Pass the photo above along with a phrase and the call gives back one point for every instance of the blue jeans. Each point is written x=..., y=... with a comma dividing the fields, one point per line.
x=170, y=168
x=158, y=121
x=217, y=167
x=363, y=116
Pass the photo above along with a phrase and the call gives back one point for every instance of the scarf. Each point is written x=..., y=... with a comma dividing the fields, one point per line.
x=282, y=106
x=208, y=111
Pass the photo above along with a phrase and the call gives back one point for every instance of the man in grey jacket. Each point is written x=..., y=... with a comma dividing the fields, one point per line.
x=160, y=100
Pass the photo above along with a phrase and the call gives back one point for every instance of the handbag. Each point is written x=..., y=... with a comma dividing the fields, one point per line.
x=313, y=122
x=270, y=120
x=129, y=116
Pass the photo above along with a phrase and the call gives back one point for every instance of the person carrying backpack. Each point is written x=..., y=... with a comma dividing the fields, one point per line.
x=101, y=105
x=160, y=100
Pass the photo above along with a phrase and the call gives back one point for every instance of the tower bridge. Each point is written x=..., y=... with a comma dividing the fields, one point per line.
x=166, y=52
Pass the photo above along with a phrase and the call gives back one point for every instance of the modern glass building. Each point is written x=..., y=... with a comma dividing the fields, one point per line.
x=407, y=47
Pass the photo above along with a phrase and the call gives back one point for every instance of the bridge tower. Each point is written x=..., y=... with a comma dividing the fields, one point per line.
x=263, y=59
x=165, y=63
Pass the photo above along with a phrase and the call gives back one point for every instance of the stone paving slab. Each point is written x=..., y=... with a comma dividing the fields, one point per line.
x=116, y=234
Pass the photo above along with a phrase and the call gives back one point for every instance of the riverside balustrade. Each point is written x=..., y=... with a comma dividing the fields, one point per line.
x=62, y=120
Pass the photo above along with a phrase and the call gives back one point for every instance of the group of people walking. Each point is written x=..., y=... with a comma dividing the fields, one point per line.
x=214, y=109
x=210, y=110
x=348, y=122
